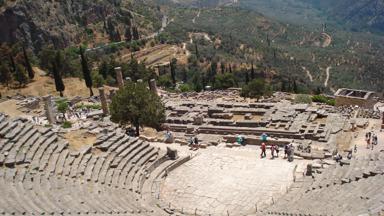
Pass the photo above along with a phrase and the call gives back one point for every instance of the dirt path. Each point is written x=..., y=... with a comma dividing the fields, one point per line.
x=164, y=23
x=197, y=16
x=328, y=74
x=328, y=40
x=308, y=73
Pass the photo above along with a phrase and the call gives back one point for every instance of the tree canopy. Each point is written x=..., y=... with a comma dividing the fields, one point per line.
x=255, y=89
x=137, y=105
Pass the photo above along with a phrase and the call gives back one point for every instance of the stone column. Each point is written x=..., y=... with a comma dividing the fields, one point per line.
x=119, y=77
x=153, y=86
x=103, y=99
x=49, y=109
x=382, y=125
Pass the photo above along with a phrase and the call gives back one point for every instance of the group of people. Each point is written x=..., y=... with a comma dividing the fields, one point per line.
x=371, y=139
x=288, y=151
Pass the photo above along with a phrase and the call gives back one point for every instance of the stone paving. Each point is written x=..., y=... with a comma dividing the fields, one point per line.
x=219, y=181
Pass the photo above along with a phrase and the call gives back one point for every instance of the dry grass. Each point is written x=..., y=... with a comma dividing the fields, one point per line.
x=10, y=108
x=44, y=85
x=79, y=138
x=157, y=55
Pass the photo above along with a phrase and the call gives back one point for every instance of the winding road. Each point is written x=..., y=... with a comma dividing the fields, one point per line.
x=328, y=75
x=194, y=18
x=308, y=73
x=328, y=40
x=164, y=24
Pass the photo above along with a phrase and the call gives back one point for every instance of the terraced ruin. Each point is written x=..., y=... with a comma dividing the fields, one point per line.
x=109, y=172
x=40, y=174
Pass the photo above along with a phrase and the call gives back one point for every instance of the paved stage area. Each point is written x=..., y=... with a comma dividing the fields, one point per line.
x=218, y=180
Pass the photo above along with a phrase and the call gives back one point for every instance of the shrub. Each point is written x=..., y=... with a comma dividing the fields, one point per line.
x=184, y=88
x=303, y=99
x=323, y=99
x=67, y=124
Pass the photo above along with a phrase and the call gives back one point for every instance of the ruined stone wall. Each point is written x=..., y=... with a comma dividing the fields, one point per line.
x=346, y=101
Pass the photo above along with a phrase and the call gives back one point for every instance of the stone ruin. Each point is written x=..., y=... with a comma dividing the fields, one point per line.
x=312, y=126
x=353, y=97
x=40, y=173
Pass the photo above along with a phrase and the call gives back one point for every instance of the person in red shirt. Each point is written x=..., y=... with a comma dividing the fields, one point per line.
x=263, y=149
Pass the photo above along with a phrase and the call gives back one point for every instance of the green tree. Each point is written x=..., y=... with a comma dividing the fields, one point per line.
x=58, y=80
x=103, y=69
x=173, y=70
x=252, y=72
x=5, y=74
x=137, y=105
x=31, y=73
x=197, y=81
x=224, y=81
x=98, y=79
x=165, y=81
x=62, y=106
x=255, y=89
x=135, y=33
x=86, y=71
x=20, y=75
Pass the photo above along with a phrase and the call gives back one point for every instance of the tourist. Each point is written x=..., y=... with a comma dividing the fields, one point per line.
x=196, y=142
x=338, y=158
x=273, y=151
x=355, y=149
x=349, y=156
x=286, y=147
x=264, y=137
x=291, y=150
x=263, y=148
x=191, y=141
x=277, y=150
x=374, y=139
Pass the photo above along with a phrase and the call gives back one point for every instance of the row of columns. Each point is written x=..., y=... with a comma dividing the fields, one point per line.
x=49, y=112
x=120, y=80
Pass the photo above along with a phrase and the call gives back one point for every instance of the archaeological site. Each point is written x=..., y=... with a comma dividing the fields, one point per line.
x=192, y=107
x=205, y=161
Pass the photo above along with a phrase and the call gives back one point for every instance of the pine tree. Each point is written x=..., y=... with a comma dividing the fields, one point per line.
x=12, y=61
x=58, y=80
x=295, y=88
x=135, y=33
x=246, y=78
x=252, y=72
x=222, y=67
x=31, y=73
x=20, y=75
x=173, y=70
x=103, y=69
x=86, y=71
x=196, y=51
x=5, y=74
x=185, y=75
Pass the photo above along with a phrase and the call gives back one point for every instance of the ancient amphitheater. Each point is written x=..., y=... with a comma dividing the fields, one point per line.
x=41, y=174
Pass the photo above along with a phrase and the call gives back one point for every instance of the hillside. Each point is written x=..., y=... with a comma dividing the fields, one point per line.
x=332, y=59
x=363, y=15
x=66, y=23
